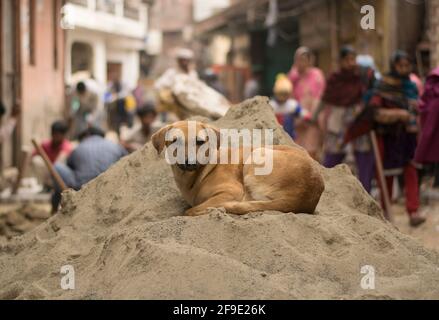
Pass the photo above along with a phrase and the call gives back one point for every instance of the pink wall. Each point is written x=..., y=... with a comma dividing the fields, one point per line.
x=42, y=83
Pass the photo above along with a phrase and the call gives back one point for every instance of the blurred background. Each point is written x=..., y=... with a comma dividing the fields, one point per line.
x=45, y=44
x=48, y=47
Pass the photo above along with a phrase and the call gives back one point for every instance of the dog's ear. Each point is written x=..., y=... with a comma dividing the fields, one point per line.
x=216, y=131
x=158, y=139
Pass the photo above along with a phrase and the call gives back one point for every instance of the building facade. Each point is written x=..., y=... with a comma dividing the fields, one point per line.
x=105, y=38
x=173, y=21
x=31, y=69
x=322, y=25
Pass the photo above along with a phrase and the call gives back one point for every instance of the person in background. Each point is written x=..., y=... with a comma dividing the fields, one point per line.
x=395, y=101
x=93, y=156
x=212, y=80
x=252, y=87
x=367, y=62
x=427, y=151
x=418, y=82
x=141, y=134
x=343, y=101
x=167, y=106
x=308, y=87
x=58, y=148
x=120, y=105
x=184, y=59
x=285, y=108
x=7, y=125
x=83, y=106
x=139, y=93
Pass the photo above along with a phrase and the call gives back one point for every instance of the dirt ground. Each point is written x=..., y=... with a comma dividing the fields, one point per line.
x=19, y=218
x=428, y=233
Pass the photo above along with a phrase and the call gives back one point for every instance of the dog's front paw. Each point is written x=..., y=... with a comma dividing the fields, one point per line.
x=194, y=212
x=216, y=210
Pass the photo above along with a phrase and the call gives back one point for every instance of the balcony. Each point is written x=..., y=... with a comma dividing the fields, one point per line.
x=83, y=3
x=130, y=9
x=123, y=17
x=107, y=6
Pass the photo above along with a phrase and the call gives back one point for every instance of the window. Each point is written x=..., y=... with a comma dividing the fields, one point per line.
x=82, y=57
x=32, y=26
x=55, y=10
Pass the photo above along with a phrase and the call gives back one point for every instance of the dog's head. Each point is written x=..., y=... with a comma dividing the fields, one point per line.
x=188, y=143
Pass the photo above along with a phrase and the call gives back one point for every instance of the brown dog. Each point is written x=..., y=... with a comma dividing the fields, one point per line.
x=293, y=185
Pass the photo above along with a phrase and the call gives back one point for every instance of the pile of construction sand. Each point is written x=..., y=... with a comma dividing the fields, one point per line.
x=126, y=238
x=20, y=219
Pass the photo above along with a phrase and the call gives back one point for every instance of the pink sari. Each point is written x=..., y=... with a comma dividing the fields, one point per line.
x=308, y=90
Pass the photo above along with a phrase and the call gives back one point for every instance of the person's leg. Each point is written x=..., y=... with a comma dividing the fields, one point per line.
x=411, y=188
x=68, y=176
x=333, y=159
x=366, y=168
x=412, y=195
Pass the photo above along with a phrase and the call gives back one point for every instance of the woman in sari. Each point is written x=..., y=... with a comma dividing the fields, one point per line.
x=428, y=147
x=308, y=87
x=343, y=101
x=395, y=105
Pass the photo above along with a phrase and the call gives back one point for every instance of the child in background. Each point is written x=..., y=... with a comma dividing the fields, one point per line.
x=286, y=108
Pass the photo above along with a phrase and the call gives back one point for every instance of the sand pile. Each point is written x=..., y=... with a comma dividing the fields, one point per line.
x=126, y=238
x=196, y=97
x=20, y=219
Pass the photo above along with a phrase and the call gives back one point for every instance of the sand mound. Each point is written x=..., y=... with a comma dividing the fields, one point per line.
x=126, y=238
x=22, y=219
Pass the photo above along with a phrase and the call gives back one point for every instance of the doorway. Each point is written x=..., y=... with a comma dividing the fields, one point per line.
x=82, y=57
x=10, y=76
x=114, y=71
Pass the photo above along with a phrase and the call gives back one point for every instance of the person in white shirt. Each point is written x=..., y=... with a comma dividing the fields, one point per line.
x=167, y=107
x=7, y=125
x=185, y=58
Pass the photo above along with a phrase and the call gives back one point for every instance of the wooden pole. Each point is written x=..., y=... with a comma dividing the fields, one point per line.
x=49, y=165
x=380, y=171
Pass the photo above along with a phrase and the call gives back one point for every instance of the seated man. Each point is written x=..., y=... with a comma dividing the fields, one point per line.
x=93, y=156
x=58, y=148
x=142, y=133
